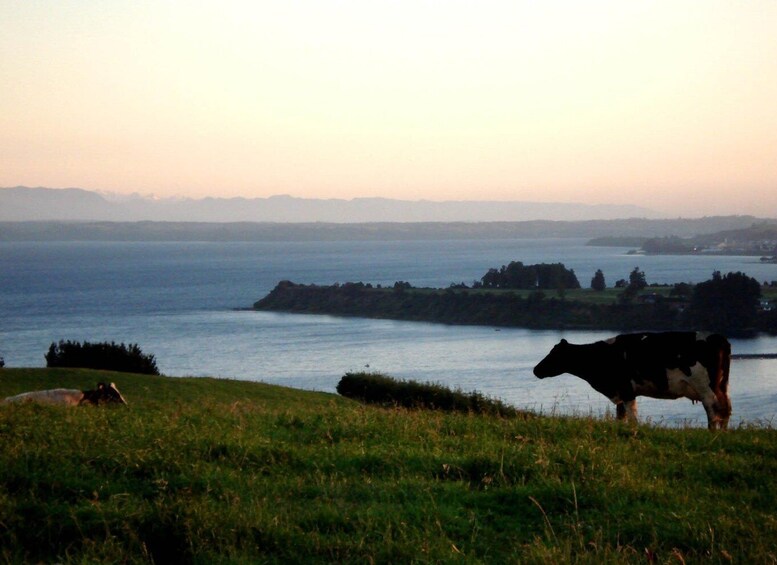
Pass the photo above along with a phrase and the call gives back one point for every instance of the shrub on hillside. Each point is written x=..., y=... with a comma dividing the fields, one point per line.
x=374, y=388
x=107, y=356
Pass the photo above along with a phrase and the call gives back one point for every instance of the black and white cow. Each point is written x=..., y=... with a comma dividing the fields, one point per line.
x=659, y=365
x=103, y=394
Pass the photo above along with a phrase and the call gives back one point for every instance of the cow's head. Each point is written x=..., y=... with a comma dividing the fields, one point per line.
x=553, y=364
x=104, y=394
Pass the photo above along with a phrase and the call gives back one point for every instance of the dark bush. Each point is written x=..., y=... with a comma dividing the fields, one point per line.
x=374, y=388
x=107, y=356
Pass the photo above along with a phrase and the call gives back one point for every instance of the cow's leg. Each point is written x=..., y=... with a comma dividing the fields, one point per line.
x=626, y=409
x=712, y=419
x=630, y=407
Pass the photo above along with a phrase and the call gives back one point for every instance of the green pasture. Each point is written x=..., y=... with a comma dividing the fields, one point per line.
x=201, y=470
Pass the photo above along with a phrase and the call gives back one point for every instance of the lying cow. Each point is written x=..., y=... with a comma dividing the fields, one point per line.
x=659, y=365
x=103, y=394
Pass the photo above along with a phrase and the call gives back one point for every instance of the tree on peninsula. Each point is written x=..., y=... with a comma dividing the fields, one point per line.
x=637, y=279
x=543, y=276
x=598, y=283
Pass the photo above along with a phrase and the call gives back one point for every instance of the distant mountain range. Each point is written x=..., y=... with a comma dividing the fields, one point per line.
x=622, y=233
x=75, y=204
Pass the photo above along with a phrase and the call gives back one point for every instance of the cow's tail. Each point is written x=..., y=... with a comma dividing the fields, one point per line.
x=721, y=365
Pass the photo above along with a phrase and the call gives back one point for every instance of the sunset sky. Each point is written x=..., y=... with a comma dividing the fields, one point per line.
x=670, y=105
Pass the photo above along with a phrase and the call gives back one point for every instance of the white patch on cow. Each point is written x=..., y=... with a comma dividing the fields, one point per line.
x=679, y=385
x=57, y=396
x=610, y=341
x=695, y=387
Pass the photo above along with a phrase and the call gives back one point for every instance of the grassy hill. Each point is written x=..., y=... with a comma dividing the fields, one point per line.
x=207, y=471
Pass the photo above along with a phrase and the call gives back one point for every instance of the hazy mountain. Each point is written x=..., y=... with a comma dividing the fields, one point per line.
x=613, y=231
x=74, y=204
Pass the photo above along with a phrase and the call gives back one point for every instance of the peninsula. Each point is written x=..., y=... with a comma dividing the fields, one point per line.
x=653, y=308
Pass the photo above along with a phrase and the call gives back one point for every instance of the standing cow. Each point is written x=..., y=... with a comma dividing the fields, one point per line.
x=659, y=365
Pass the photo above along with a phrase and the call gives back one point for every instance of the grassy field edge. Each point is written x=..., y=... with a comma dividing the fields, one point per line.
x=206, y=470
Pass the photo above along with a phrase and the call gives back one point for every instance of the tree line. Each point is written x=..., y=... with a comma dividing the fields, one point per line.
x=516, y=275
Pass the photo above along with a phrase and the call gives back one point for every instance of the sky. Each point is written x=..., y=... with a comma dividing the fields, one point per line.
x=665, y=104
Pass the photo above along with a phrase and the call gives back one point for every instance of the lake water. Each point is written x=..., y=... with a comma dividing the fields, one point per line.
x=181, y=301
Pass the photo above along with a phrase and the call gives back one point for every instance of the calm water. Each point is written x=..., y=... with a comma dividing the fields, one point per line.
x=179, y=301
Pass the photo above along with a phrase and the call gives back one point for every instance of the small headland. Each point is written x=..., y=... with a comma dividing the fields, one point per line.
x=653, y=308
x=577, y=309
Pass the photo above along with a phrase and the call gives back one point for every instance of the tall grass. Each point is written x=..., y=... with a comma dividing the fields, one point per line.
x=210, y=471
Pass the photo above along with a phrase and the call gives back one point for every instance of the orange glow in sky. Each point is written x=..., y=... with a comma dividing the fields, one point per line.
x=669, y=105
